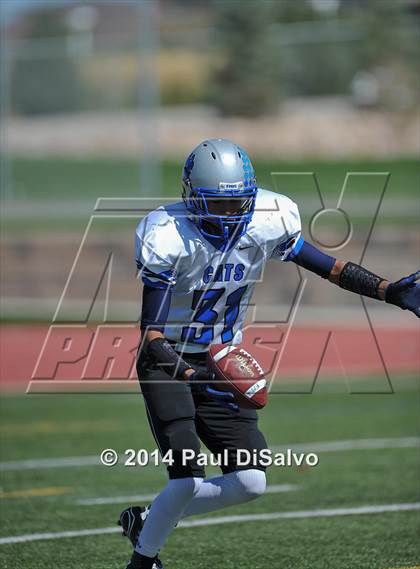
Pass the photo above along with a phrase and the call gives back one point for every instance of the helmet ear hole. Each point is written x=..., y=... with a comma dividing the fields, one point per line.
x=213, y=155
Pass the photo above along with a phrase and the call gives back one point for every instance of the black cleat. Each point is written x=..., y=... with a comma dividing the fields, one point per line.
x=132, y=520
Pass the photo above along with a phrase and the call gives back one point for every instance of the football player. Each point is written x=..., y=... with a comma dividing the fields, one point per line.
x=199, y=260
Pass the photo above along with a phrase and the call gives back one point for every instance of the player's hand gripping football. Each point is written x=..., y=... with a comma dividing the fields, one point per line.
x=200, y=382
x=405, y=293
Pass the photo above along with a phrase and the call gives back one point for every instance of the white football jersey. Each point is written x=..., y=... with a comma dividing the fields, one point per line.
x=211, y=289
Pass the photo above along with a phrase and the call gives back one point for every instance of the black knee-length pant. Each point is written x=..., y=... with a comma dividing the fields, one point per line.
x=179, y=419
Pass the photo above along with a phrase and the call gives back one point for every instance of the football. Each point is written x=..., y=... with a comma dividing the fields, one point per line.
x=236, y=370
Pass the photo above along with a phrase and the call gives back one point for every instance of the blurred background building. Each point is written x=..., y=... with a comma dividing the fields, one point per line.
x=280, y=70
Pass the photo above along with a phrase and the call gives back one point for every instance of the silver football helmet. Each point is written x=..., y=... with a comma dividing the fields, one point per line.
x=219, y=189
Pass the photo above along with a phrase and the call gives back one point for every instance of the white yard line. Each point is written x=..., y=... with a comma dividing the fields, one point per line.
x=332, y=512
x=322, y=446
x=116, y=500
x=271, y=489
x=40, y=463
x=328, y=513
x=353, y=444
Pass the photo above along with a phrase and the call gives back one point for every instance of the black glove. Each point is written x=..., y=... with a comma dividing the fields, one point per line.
x=200, y=382
x=405, y=293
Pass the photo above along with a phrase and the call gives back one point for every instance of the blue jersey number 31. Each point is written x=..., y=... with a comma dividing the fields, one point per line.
x=203, y=305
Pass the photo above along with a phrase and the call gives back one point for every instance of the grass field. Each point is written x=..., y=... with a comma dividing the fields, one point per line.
x=47, y=427
x=53, y=193
x=54, y=178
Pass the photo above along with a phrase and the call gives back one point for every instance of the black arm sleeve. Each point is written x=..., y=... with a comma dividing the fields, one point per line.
x=311, y=258
x=154, y=314
x=155, y=308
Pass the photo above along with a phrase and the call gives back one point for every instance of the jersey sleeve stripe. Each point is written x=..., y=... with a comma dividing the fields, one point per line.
x=161, y=280
x=297, y=247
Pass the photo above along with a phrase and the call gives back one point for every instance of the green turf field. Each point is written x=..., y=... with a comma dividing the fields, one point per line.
x=47, y=426
x=54, y=178
x=71, y=187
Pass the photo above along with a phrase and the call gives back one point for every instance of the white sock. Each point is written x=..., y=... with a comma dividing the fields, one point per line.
x=228, y=490
x=165, y=513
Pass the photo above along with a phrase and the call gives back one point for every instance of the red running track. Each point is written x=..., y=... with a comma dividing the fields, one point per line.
x=105, y=355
